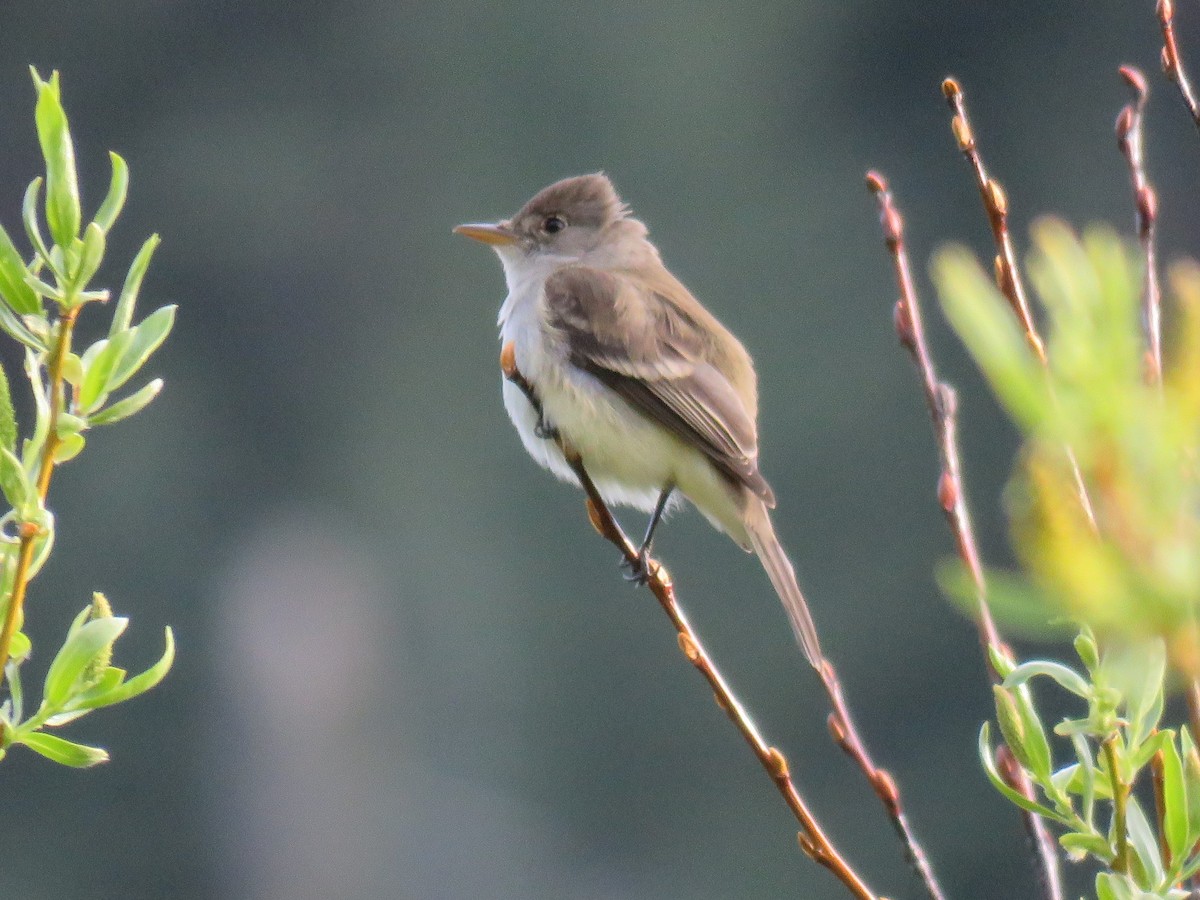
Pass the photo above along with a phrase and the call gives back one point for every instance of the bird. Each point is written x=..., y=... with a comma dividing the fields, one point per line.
x=625, y=366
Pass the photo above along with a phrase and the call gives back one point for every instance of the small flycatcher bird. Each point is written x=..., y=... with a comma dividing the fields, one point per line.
x=653, y=393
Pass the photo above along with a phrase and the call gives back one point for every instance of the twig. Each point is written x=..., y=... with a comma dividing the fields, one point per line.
x=942, y=403
x=1120, y=795
x=845, y=735
x=1172, y=63
x=1130, y=142
x=1160, y=808
x=1008, y=273
x=812, y=839
x=29, y=532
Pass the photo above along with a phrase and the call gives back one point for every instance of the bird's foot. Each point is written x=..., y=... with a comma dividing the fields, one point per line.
x=639, y=569
x=545, y=430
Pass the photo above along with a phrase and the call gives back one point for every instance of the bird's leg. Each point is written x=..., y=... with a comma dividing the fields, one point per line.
x=640, y=571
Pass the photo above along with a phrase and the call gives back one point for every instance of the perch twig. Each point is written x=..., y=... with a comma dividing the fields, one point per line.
x=812, y=839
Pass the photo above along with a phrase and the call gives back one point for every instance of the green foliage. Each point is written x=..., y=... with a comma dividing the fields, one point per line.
x=1099, y=430
x=40, y=302
x=1137, y=572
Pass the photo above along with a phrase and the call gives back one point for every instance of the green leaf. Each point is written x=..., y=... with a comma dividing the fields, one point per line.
x=1014, y=796
x=62, y=751
x=118, y=186
x=1066, y=678
x=1085, y=646
x=98, y=363
x=68, y=447
x=62, y=184
x=20, y=646
x=1110, y=886
x=85, y=645
x=1175, y=802
x=13, y=481
x=15, y=292
x=8, y=421
x=107, y=682
x=1023, y=730
x=15, y=328
x=123, y=315
x=147, y=337
x=983, y=321
x=139, y=684
x=1144, y=841
x=129, y=406
x=90, y=256
x=33, y=231
x=1087, y=776
x=1013, y=599
x=1080, y=845
x=1191, y=772
x=1138, y=672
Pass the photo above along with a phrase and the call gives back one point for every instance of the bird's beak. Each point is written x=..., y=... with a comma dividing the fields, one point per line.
x=498, y=235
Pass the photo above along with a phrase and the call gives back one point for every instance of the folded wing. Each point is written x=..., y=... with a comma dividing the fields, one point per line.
x=647, y=350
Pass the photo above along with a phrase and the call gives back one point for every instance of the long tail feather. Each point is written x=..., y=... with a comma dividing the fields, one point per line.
x=779, y=569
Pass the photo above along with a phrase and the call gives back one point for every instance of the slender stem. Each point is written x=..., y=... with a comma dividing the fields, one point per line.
x=845, y=734
x=813, y=840
x=942, y=402
x=1131, y=145
x=1160, y=809
x=1120, y=792
x=1172, y=63
x=1008, y=273
x=29, y=531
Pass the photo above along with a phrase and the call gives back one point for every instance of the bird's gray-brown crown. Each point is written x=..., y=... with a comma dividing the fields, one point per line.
x=588, y=200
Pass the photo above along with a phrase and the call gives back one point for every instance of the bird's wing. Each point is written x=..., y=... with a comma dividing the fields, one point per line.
x=651, y=353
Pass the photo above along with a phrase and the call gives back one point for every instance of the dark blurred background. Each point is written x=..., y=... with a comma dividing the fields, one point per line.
x=407, y=667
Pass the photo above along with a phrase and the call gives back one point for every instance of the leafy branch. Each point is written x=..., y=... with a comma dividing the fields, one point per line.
x=41, y=302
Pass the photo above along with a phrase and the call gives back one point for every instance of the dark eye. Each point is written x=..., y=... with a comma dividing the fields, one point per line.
x=553, y=224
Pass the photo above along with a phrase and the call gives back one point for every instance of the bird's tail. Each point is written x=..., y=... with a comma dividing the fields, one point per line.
x=779, y=569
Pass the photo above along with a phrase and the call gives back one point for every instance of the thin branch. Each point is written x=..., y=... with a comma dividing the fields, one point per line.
x=812, y=839
x=1130, y=142
x=29, y=532
x=1008, y=273
x=1160, y=808
x=1172, y=64
x=845, y=734
x=1120, y=794
x=941, y=401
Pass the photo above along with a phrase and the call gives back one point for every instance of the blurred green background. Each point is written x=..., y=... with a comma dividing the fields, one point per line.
x=407, y=667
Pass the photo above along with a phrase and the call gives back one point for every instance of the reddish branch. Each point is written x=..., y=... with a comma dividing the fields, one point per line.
x=1008, y=273
x=942, y=403
x=1172, y=63
x=1130, y=142
x=813, y=840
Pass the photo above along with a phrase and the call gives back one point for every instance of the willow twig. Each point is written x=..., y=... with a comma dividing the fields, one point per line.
x=29, y=532
x=812, y=839
x=1131, y=144
x=1172, y=63
x=941, y=400
x=1008, y=273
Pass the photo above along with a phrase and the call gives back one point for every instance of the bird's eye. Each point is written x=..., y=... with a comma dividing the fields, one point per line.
x=553, y=224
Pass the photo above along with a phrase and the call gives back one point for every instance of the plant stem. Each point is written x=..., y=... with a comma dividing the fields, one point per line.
x=1120, y=792
x=943, y=411
x=1008, y=273
x=30, y=532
